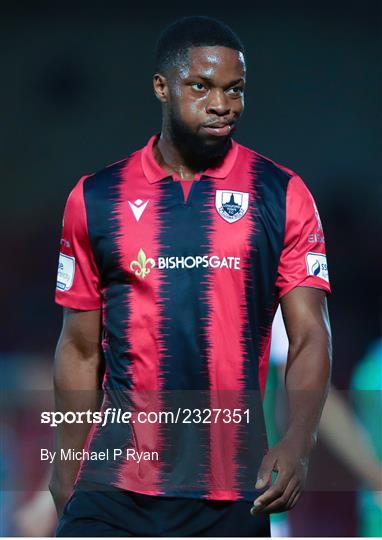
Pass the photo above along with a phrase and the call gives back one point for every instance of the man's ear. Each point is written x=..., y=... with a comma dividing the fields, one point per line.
x=160, y=87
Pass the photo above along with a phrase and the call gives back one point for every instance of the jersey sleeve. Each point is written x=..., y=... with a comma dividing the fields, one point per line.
x=303, y=257
x=78, y=282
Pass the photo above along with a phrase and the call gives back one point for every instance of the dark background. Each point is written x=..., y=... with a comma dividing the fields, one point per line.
x=76, y=95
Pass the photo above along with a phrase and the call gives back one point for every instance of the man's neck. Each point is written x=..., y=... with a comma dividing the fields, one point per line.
x=170, y=159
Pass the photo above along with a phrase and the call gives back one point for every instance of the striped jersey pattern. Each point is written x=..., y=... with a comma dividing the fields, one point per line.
x=188, y=282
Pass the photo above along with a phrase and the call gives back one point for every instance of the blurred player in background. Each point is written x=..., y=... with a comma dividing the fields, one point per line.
x=367, y=386
x=358, y=443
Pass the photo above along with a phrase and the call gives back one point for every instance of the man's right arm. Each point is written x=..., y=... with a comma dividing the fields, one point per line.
x=78, y=371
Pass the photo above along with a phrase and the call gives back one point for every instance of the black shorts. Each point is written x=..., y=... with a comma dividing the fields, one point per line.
x=92, y=511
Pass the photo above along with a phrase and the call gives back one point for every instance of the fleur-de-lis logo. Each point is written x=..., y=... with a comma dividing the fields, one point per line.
x=142, y=266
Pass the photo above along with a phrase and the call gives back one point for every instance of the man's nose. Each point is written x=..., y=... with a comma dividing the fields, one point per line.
x=217, y=102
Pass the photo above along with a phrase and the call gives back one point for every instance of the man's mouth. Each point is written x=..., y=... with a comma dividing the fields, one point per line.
x=219, y=129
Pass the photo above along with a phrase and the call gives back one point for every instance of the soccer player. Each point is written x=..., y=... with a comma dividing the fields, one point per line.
x=173, y=262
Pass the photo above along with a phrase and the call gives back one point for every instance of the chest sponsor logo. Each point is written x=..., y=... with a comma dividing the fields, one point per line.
x=143, y=265
x=231, y=205
x=138, y=207
x=65, y=273
x=317, y=265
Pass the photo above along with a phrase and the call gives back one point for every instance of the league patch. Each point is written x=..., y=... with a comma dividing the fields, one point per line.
x=231, y=205
x=65, y=274
x=317, y=265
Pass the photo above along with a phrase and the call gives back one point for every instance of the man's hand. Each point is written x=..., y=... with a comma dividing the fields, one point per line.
x=290, y=461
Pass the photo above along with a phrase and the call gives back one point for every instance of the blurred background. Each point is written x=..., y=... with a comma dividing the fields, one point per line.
x=76, y=95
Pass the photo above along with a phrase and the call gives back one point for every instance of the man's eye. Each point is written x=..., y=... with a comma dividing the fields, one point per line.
x=198, y=86
x=236, y=90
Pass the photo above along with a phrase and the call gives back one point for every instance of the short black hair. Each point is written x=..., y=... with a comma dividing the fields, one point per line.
x=195, y=31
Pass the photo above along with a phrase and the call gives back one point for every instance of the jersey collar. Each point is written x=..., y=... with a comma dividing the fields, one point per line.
x=154, y=172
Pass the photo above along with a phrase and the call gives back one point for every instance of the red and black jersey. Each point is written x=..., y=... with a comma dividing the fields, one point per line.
x=188, y=281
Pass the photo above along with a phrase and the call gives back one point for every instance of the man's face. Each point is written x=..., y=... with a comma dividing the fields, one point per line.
x=204, y=100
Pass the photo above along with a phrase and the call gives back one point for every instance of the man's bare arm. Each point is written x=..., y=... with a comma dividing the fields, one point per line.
x=307, y=380
x=78, y=371
x=307, y=375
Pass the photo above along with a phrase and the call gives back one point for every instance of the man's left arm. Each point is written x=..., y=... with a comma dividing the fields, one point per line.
x=307, y=380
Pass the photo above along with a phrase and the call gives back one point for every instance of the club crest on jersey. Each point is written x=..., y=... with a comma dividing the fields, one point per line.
x=231, y=205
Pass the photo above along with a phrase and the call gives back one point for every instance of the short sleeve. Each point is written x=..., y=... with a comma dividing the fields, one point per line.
x=78, y=281
x=303, y=257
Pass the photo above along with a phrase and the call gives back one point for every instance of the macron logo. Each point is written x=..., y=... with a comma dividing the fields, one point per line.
x=138, y=207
